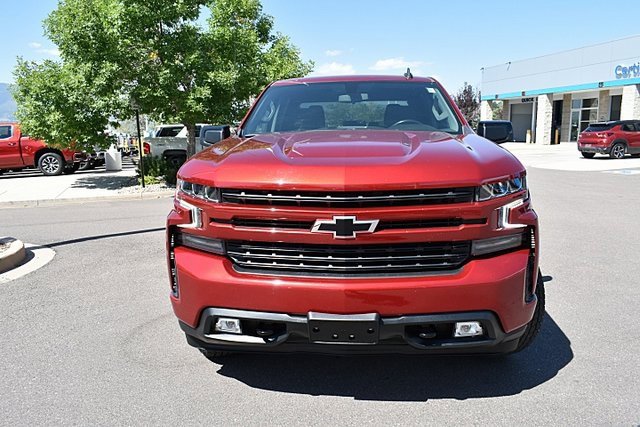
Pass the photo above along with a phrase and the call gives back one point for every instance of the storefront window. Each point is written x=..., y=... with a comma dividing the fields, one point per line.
x=583, y=112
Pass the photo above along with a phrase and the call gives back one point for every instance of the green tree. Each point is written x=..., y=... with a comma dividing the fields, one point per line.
x=174, y=64
x=497, y=109
x=467, y=100
x=56, y=104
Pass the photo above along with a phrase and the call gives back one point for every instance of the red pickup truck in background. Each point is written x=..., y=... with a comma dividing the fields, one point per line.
x=18, y=151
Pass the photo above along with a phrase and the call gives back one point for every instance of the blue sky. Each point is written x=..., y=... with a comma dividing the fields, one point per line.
x=450, y=40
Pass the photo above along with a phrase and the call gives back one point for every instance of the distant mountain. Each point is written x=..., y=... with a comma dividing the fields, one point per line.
x=7, y=104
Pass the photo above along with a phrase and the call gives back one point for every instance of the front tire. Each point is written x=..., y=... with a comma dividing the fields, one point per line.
x=51, y=164
x=617, y=151
x=176, y=160
x=536, y=322
x=588, y=155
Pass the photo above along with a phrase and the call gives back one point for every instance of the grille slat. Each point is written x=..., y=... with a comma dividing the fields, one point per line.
x=383, y=225
x=352, y=260
x=349, y=199
x=339, y=259
x=350, y=269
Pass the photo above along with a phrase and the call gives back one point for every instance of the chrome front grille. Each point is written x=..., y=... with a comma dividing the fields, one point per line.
x=349, y=199
x=349, y=260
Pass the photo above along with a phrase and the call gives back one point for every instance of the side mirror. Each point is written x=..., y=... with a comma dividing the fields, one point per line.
x=211, y=137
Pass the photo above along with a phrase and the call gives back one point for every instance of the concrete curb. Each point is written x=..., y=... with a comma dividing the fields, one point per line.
x=12, y=256
x=115, y=197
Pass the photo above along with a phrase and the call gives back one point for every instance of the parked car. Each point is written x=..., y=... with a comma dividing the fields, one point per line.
x=615, y=138
x=18, y=151
x=94, y=159
x=355, y=214
x=498, y=131
x=172, y=146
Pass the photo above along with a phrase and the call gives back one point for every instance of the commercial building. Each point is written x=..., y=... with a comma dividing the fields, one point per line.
x=554, y=97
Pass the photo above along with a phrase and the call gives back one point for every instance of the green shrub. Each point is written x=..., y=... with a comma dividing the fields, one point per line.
x=157, y=169
x=170, y=174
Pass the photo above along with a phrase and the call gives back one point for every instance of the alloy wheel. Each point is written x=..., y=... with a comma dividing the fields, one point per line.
x=50, y=164
x=618, y=151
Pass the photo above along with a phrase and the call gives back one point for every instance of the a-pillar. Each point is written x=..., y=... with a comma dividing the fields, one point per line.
x=630, y=108
x=543, y=119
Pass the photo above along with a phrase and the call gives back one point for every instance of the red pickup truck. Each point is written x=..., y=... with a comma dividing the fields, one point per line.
x=355, y=214
x=18, y=151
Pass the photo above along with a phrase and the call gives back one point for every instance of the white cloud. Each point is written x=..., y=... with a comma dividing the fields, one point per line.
x=333, y=69
x=52, y=52
x=392, y=64
x=46, y=51
x=333, y=52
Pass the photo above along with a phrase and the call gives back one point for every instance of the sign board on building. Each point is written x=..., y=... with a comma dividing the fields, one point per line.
x=627, y=72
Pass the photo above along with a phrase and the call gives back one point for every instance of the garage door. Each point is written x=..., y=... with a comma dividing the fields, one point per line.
x=521, y=119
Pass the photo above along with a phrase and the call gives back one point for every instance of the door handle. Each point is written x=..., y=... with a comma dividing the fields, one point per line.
x=12, y=144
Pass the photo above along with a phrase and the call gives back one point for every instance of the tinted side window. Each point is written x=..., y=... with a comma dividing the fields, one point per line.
x=170, y=131
x=627, y=127
x=5, y=132
x=637, y=126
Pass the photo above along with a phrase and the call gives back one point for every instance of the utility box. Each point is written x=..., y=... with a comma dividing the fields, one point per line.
x=113, y=159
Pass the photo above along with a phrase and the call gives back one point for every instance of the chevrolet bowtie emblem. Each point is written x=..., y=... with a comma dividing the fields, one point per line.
x=344, y=227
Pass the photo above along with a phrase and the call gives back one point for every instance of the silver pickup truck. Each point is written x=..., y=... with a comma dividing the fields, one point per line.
x=170, y=141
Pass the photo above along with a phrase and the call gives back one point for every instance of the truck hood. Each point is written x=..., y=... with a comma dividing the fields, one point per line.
x=351, y=160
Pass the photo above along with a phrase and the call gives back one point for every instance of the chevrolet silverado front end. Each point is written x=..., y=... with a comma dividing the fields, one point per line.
x=355, y=214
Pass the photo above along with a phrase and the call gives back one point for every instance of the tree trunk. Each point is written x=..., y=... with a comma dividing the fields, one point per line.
x=191, y=139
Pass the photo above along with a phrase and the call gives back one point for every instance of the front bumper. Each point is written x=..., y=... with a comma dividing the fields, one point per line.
x=400, y=334
x=497, y=284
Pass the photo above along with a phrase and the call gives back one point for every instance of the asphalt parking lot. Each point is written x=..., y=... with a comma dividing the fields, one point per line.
x=90, y=338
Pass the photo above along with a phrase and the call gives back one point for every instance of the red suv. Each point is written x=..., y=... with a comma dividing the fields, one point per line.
x=613, y=138
x=355, y=214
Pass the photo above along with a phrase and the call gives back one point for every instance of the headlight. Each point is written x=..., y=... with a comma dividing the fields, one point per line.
x=501, y=188
x=199, y=191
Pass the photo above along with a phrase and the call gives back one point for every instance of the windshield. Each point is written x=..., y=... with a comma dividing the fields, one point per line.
x=416, y=106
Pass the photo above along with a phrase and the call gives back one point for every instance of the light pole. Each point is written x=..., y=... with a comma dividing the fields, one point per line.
x=135, y=106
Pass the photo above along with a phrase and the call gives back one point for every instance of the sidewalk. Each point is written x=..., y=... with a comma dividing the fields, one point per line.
x=565, y=156
x=31, y=188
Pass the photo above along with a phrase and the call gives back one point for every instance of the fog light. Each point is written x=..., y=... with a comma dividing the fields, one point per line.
x=467, y=329
x=227, y=325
